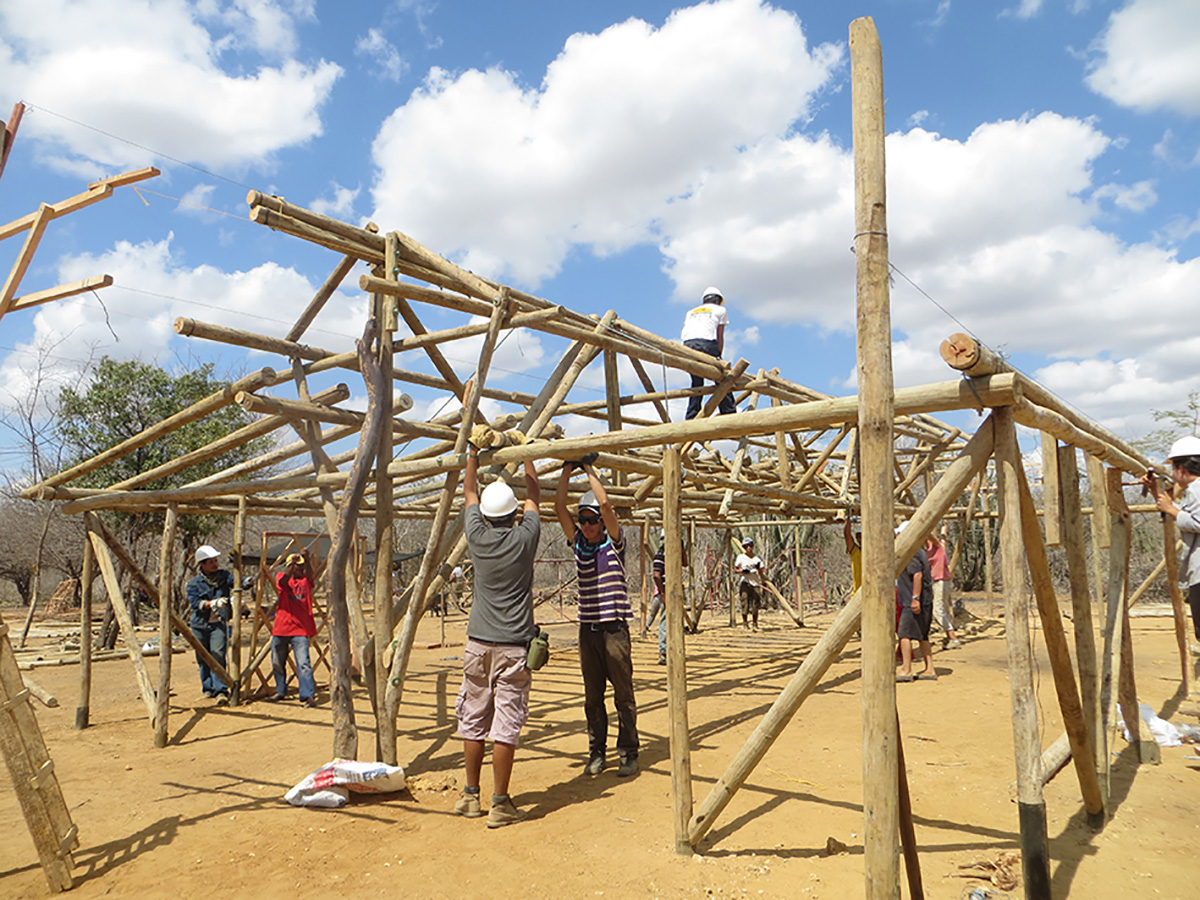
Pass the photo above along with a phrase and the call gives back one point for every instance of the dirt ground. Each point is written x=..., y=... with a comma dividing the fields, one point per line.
x=207, y=813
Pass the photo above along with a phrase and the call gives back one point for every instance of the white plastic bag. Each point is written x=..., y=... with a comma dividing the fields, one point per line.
x=1166, y=734
x=329, y=786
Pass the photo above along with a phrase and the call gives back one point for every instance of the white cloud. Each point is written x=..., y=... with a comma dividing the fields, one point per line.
x=1137, y=197
x=624, y=124
x=1146, y=57
x=340, y=204
x=172, y=76
x=1025, y=9
x=389, y=64
x=138, y=323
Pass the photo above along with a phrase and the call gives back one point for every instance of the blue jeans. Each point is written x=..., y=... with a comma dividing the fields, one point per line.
x=694, y=403
x=215, y=637
x=662, y=635
x=279, y=653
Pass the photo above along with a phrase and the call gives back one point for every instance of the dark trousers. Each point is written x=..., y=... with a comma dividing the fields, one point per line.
x=215, y=637
x=1193, y=596
x=727, y=405
x=606, y=656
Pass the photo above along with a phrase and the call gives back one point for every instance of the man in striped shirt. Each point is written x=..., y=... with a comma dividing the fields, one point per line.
x=605, y=653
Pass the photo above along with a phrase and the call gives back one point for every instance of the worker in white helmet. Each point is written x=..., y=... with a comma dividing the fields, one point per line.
x=208, y=595
x=1184, y=460
x=704, y=330
x=493, y=701
x=605, y=652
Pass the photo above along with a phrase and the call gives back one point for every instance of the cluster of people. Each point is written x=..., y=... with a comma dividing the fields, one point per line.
x=923, y=592
x=210, y=594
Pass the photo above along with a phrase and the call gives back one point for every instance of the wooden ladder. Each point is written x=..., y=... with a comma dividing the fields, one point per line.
x=32, y=771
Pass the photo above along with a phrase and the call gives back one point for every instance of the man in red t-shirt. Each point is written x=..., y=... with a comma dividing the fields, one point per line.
x=293, y=628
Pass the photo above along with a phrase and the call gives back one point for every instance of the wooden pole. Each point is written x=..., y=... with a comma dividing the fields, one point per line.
x=1180, y=615
x=235, y=650
x=1035, y=848
x=987, y=556
x=1081, y=602
x=1051, y=497
x=166, y=580
x=678, y=736
x=1082, y=751
x=86, y=583
x=1101, y=529
x=880, y=739
x=908, y=833
x=385, y=726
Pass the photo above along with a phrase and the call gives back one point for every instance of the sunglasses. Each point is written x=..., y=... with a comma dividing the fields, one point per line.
x=589, y=520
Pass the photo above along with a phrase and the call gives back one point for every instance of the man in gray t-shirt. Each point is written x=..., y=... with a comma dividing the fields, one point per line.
x=493, y=701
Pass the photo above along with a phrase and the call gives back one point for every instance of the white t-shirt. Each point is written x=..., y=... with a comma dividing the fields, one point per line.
x=748, y=567
x=702, y=321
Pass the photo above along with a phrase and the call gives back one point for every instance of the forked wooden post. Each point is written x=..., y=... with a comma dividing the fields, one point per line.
x=385, y=726
x=235, y=640
x=881, y=818
x=1035, y=848
x=679, y=739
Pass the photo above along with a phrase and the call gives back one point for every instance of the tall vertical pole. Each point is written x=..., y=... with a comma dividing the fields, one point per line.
x=235, y=640
x=86, y=581
x=881, y=828
x=385, y=315
x=679, y=741
x=166, y=578
x=1031, y=806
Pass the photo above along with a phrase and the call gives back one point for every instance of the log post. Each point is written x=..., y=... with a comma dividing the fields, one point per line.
x=987, y=554
x=87, y=581
x=678, y=737
x=875, y=423
x=1051, y=497
x=1101, y=529
x=1081, y=602
x=235, y=641
x=1035, y=848
x=166, y=580
x=1082, y=752
x=1171, y=562
x=385, y=727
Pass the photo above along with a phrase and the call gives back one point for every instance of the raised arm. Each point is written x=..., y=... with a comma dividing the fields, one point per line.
x=533, y=490
x=565, y=519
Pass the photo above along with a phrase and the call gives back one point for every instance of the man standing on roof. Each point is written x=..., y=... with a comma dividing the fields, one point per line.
x=749, y=566
x=605, y=653
x=293, y=628
x=493, y=701
x=704, y=330
x=208, y=595
x=1184, y=459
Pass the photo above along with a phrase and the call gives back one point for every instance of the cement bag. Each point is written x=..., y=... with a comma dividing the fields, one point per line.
x=329, y=786
x=1165, y=734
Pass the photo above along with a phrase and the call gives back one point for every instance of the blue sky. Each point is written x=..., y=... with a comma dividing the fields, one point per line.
x=1043, y=163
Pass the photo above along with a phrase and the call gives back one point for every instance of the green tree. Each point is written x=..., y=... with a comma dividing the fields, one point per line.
x=122, y=400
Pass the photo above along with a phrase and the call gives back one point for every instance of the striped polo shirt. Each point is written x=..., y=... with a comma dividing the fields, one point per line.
x=603, y=595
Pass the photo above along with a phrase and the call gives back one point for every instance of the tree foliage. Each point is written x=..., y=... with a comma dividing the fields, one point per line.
x=125, y=398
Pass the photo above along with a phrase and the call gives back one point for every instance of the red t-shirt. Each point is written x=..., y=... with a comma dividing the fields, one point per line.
x=294, y=614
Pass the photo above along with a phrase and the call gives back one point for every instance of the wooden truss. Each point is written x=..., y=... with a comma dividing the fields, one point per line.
x=799, y=453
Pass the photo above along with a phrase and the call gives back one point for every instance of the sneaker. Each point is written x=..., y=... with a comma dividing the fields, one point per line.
x=954, y=644
x=222, y=698
x=662, y=659
x=311, y=702
x=627, y=766
x=504, y=813
x=468, y=806
x=596, y=764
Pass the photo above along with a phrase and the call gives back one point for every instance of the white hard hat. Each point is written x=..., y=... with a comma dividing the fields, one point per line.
x=497, y=500
x=1185, y=446
x=589, y=501
x=747, y=541
x=206, y=552
x=712, y=291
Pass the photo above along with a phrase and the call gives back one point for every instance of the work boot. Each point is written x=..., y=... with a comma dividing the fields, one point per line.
x=627, y=766
x=504, y=813
x=468, y=805
x=596, y=764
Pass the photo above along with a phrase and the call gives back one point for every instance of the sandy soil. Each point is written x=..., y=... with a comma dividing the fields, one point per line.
x=207, y=814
